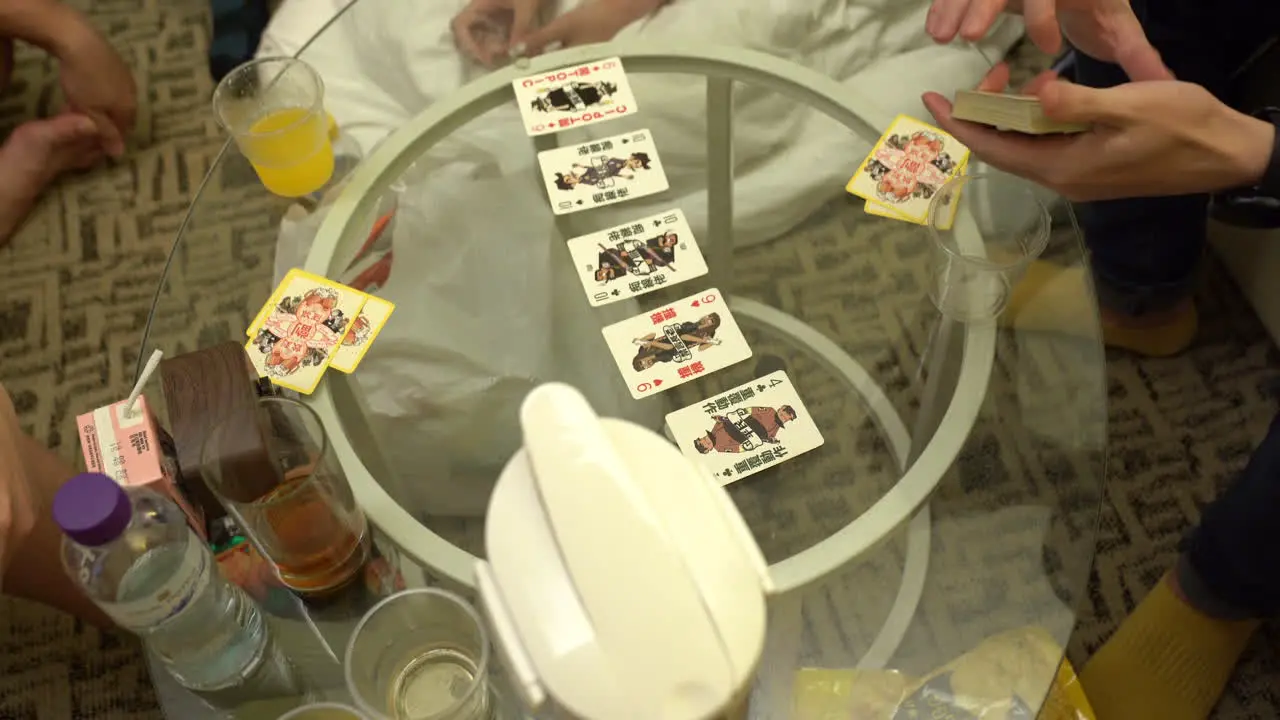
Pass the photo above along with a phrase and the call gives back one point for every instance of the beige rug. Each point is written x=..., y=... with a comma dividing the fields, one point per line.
x=76, y=285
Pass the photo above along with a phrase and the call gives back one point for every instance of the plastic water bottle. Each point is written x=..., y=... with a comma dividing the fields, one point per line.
x=134, y=555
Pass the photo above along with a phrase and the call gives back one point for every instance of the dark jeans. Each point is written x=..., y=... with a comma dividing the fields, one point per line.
x=1144, y=252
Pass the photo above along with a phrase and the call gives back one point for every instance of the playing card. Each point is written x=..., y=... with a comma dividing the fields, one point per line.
x=944, y=221
x=909, y=163
x=676, y=343
x=574, y=96
x=303, y=323
x=363, y=331
x=602, y=172
x=637, y=257
x=750, y=428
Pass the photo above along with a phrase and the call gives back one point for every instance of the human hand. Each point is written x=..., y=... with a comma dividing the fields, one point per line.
x=97, y=83
x=486, y=29
x=1148, y=138
x=17, y=498
x=1104, y=29
x=592, y=22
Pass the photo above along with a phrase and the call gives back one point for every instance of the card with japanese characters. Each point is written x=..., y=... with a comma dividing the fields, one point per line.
x=907, y=166
x=575, y=96
x=300, y=329
x=637, y=257
x=602, y=172
x=676, y=343
x=363, y=331
x=750, y=428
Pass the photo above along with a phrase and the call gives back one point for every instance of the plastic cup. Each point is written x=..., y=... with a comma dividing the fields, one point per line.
x=323, y=711
x=273, y=469
x=274, y=110
x=985, y=229
x=420, y=655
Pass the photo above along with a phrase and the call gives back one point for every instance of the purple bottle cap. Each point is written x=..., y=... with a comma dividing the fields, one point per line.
x=92, y=509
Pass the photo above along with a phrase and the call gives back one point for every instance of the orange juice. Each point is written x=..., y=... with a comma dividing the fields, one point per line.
x=291, y=150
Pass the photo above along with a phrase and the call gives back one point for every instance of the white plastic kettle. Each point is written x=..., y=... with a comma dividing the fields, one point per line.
x=621, y=582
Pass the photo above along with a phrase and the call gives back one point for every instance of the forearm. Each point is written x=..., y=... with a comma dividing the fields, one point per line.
x=633, y=10
x=48, y=24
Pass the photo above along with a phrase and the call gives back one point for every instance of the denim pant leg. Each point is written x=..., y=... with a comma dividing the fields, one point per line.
x=1144, y=251
x=1233, y=553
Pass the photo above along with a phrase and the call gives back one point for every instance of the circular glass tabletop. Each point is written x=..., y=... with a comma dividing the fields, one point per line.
x=953, y=491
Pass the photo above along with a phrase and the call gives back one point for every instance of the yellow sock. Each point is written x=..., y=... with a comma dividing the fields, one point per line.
x=1166, y=662
x=1050, y=298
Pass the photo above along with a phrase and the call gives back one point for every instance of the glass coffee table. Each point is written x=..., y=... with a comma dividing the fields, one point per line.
x=957, y=490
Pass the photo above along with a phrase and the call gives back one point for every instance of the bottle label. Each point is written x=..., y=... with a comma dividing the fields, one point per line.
x=188, y=579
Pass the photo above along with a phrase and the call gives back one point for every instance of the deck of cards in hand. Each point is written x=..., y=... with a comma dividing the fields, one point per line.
x=907, y=166
x=1019, y=113
x=312, y=323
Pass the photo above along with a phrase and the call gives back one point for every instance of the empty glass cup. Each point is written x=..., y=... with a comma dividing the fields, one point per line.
x=985, y=229
x=420, y=655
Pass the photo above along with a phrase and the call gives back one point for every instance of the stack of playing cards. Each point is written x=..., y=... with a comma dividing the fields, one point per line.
x=309, y=324
x=1019, y=113
x=731, y=435
x=906, y=168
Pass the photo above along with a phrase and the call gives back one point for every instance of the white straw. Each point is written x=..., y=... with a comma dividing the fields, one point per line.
x=152, y=363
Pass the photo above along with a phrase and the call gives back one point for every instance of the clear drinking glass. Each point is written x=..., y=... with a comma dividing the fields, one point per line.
x=271, y=466
x=420, y=655
x=274, y=110
x=323, y=711
x=985, y=229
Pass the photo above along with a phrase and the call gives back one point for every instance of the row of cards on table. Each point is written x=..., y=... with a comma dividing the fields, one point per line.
x=734, y=434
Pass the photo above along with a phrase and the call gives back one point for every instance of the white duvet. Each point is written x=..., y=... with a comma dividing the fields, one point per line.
x=488, y=304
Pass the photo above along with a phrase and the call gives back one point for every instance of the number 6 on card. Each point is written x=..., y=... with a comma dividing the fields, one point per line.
x=676, y=343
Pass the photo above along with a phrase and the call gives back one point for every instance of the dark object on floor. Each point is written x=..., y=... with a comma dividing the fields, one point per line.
x=237, y=29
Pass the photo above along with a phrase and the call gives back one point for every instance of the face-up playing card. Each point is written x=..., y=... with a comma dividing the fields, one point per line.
x=574, y=96
x=361, y=334
x=947, y=210
x=300, y=329
x=602, y=172
x=907, y=166
x=750, y=428
x=637, y=257
x=676, y=343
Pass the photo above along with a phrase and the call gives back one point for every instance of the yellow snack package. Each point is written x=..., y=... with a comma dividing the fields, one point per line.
x=1000, y=679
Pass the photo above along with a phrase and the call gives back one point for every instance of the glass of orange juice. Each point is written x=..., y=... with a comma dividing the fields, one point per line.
x=274, y=109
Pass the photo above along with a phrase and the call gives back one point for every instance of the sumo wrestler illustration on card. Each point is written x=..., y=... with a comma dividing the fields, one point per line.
x=602, y=172
x=746, y=430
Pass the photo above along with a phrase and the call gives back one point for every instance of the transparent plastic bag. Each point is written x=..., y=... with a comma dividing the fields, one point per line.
x=1000, y=679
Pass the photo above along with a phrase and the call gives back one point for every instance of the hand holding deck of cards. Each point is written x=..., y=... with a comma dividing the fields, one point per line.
x=1016, y=113
x=309, y=324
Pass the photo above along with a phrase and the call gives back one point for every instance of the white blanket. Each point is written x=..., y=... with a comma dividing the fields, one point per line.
x=488, y=303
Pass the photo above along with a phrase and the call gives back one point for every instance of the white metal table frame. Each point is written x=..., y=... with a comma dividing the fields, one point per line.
x=342, y=233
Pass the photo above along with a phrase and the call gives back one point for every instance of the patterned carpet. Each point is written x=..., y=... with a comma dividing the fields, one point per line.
x=78, y=281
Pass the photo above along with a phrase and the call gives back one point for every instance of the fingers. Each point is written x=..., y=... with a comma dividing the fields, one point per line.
x=556, y=31
x=464, y=34
x=1069, y=102
x=1135, y=55
x=981, y=16
x=112, y=139
x=996, y=79
x=524, y=19
x=944, y=19
x=1042, y=24
x=1037, y=83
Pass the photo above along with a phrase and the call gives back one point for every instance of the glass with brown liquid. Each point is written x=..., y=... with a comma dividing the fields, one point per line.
x=271, y=465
